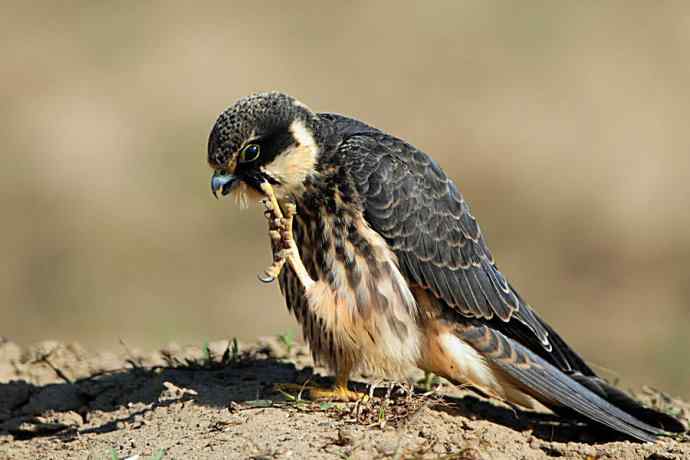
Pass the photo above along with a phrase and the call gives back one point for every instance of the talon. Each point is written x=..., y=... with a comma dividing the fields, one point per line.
x=317, y=393
x=273, y=271
x=266, y=278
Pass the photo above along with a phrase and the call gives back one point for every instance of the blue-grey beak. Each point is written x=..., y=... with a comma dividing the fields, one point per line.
x=222, y=182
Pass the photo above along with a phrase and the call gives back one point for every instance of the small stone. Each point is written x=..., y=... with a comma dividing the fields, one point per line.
x=40, y=350
x=345, y=437
x=471, y=453
x=218, y=348
x=172, y=391
x=588, y=451
x=273, y=347
x=388, y=447
x=70, y=418
x=9, y=351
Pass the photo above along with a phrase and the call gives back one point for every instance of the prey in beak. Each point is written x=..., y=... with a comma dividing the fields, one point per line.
x=280, y=224
x=242, y=186
x=264, y=147
x=224, y=182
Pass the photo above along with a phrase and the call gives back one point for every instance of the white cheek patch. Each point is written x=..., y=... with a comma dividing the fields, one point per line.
x=292, y=166
x=304, y=136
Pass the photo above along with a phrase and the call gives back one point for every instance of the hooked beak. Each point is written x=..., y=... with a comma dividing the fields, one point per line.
x=222, y=182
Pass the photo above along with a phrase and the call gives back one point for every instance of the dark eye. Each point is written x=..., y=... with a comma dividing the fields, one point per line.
x=249, y=153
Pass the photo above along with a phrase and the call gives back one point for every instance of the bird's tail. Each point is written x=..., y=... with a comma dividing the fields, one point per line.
x=584, y=375
x=588, y=396
x=629, y=405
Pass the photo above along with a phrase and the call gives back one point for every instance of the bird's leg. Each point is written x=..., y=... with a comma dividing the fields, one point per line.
x=339, y=391
x=282, y=242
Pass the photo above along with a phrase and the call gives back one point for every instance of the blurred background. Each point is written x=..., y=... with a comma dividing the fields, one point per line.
x=565, y=126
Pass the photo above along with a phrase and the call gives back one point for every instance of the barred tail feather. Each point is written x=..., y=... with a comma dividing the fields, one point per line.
x=554, y=388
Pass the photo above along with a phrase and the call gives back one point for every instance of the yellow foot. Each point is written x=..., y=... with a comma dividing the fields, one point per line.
x=337, y=393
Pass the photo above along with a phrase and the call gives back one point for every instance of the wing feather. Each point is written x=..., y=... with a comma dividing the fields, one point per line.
x=410, y=201
x=419, y=211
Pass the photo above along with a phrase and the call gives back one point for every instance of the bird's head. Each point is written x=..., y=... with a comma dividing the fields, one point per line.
x=265, y=137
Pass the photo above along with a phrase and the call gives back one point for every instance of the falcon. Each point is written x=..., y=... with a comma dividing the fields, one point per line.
x=383, y=265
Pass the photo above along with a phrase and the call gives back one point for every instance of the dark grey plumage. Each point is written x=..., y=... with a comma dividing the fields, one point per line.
x=420, y=212
x=373, y=211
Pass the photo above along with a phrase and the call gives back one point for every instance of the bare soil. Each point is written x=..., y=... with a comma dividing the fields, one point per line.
x=221, y=401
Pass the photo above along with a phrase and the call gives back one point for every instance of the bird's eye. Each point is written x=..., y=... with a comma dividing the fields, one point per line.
x=249, y=153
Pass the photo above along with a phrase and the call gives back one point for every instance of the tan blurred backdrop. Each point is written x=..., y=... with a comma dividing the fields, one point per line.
x=565, y=126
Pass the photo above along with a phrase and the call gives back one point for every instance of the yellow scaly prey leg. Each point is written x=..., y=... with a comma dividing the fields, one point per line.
x=282, y=242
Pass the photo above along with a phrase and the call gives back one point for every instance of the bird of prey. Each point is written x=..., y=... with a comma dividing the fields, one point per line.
x=382, y=263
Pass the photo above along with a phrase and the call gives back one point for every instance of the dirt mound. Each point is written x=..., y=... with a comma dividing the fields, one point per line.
x=221, y=401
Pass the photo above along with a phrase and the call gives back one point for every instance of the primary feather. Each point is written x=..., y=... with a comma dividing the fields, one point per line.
x=439, y=245
x=401, y=274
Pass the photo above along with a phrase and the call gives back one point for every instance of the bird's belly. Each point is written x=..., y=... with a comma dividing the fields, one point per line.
x=340, y=333
x=360, y=312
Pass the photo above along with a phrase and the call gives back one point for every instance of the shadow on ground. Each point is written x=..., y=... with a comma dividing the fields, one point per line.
x=69, y=407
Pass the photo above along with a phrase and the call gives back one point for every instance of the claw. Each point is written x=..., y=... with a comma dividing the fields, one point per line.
x=337, y=393
x=271, y=272
x=267, y=279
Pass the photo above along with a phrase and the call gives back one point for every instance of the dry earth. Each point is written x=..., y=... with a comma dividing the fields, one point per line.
x=59, y=401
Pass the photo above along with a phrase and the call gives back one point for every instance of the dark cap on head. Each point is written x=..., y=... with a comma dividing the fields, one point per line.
x=252, y=116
